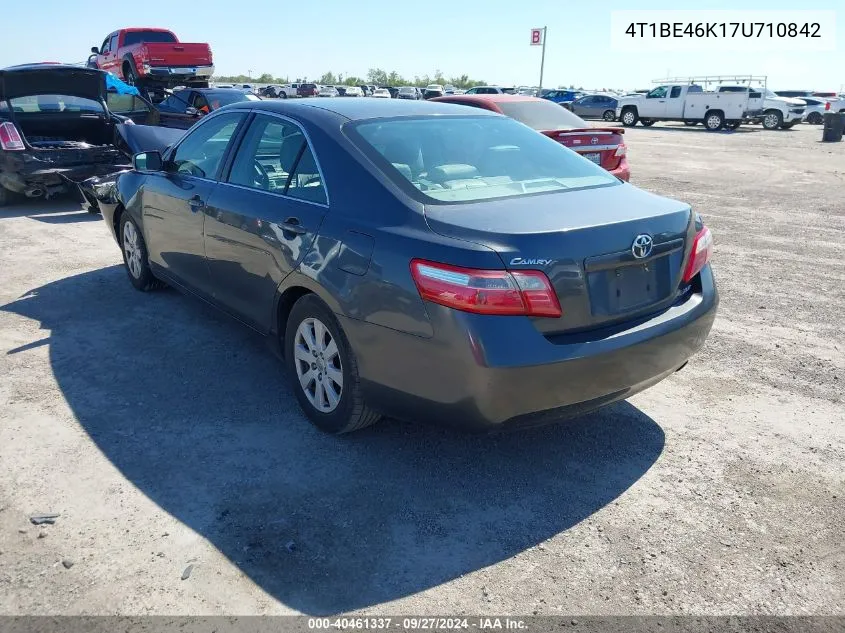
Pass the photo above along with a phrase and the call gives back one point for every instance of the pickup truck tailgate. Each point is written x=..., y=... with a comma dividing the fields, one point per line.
x=178, y=54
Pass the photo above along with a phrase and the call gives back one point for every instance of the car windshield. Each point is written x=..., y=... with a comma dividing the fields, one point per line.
x=136, y=37
x=542, y=115
x=55, y=103
x=407, y=90
x=472, y=158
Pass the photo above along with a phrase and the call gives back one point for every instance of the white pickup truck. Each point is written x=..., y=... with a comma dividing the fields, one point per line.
x=777, y=112
x=689, y=103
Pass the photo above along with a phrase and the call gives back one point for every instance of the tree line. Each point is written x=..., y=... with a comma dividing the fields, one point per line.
x=375, y=76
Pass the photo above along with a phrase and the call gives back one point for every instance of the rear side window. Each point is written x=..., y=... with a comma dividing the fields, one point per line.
x=471, y=158
x=275, y=156
x=123, y=104
x=676, y=92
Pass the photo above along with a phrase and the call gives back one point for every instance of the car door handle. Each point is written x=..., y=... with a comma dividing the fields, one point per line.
x=292, y=225
x=196, y=203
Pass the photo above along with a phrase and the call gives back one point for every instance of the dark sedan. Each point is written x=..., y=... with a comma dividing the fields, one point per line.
x=182, y=108
x=421, y=260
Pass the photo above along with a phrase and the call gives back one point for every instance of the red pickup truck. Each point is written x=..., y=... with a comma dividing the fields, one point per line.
x=153, y=58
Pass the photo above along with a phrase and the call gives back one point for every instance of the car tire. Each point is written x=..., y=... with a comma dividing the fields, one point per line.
x=713, y=121
x=772, y=119
x=135, y=257
x=629, y=117
x=313, y=334
x=647, y=122
x=609, y=115
x=282, y=95
x=130, y=74
x=815, y=118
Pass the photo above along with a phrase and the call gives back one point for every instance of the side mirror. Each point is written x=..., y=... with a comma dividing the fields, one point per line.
x=147, y=161
x=95, y=50
x=191, y=111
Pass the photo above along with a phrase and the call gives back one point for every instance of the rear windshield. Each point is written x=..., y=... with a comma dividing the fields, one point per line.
x=136, y=37
x=54, y=103
x=542, y=115
x=469, y=158
x=225, y=97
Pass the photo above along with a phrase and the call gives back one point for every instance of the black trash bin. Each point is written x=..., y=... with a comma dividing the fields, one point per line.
x=834, y=126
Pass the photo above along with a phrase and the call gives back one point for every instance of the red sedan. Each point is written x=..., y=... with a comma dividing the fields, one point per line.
x=603, y=146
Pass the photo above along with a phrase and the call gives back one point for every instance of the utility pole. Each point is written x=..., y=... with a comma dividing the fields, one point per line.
x=542, y=62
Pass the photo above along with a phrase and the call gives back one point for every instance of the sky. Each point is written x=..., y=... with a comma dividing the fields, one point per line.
x=486, y=39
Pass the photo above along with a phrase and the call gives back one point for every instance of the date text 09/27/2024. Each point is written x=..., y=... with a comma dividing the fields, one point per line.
x=417, y=623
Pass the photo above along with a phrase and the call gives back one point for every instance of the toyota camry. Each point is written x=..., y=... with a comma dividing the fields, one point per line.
x=422, y=261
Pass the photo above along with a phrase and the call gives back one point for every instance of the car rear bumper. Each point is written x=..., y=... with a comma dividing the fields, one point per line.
x=178, y=71
x=36, y=177
x=623, y=172
x=487, y=372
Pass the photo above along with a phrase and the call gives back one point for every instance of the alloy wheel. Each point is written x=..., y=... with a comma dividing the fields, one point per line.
x=318, y=365
x=132, y=249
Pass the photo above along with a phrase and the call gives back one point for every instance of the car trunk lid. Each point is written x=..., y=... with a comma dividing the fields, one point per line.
x=44, y=79
x=178, y=54
x=600, y=145
x=583, y=241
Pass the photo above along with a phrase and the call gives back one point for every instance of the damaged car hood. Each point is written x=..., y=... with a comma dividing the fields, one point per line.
x=134, y=139
x=43, y=79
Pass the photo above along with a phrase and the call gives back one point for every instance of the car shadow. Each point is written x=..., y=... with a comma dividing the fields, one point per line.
x=62, y=210
x=700, y=129
x=194, y=411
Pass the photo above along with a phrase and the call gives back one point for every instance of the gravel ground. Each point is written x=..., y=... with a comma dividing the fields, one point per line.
x=187, y=481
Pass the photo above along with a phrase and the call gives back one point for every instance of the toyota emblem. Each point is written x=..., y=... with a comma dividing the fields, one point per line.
x=594, y=140
x=642, y=246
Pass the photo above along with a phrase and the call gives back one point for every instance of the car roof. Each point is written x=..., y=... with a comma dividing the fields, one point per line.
x=358, y=109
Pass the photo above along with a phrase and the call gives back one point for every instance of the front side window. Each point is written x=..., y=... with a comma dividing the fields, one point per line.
x=201, y=152
x=105, y=47
x=113, y=43
x=657, y=93
x=471, y=158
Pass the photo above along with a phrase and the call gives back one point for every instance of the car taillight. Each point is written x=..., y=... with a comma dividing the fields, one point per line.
x=827, y=106
x=702, y=249
x=10, y=138
x=621, y=150
x=524, y=292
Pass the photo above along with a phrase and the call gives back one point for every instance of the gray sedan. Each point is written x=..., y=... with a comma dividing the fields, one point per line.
x=595, y=107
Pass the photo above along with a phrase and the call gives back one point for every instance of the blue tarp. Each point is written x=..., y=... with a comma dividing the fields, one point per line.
x=113, y=84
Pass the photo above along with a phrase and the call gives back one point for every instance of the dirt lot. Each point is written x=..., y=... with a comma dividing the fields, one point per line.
x=165, y=436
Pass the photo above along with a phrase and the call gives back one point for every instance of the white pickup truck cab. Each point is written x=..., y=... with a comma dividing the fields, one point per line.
x=777, y=112
x=689, y=103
